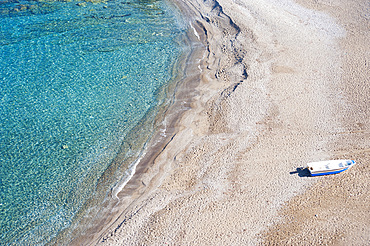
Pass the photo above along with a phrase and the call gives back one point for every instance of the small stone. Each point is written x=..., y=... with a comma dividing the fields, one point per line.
x=82, y=4
x=64, y=146
x=22, y=7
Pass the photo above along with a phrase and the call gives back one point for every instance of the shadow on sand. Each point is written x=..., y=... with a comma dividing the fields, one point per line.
x=302, y=172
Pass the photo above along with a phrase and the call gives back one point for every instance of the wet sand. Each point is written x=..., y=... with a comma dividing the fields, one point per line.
x=274, y=85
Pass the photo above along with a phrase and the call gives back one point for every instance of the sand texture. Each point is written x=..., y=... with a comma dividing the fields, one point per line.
x=277, y=84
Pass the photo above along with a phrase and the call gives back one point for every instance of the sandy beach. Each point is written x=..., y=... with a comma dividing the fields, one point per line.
x=271, y=85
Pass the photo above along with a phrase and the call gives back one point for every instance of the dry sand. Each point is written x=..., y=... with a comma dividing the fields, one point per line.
x=281, y=84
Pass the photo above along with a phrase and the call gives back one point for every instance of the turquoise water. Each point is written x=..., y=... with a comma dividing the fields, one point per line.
x=75, y=78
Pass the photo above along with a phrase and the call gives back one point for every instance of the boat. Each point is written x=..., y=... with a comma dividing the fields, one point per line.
x=329, y=167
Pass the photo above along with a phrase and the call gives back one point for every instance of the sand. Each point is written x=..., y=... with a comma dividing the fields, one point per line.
x=271, y=86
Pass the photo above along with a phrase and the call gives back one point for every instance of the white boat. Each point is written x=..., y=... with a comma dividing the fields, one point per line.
x=329, y=167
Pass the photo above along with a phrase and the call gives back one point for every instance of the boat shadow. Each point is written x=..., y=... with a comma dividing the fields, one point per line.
x=302, y=172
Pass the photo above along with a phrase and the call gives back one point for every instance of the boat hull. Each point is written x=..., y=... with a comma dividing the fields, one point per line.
x=328, y=172
x=329, y=167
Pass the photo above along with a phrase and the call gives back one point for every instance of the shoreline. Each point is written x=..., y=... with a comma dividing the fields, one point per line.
x=181, y=92
x=261, y=109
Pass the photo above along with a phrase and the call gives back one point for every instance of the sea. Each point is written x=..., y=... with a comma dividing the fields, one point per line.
x=81, y=84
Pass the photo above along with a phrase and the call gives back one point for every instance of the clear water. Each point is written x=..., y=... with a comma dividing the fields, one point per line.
x=75, y=78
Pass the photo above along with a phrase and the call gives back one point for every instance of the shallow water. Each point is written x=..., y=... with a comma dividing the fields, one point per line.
x=75, y=78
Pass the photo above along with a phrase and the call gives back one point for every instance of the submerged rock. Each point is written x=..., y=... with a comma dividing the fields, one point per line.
x=83, y=4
